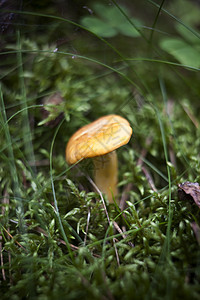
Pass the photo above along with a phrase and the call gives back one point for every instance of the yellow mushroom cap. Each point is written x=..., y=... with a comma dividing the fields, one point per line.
x=98, y=138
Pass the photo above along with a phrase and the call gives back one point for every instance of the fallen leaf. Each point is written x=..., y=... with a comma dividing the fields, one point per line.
x=188, y=190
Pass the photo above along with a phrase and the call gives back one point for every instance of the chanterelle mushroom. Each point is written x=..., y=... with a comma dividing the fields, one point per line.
x=98, y=140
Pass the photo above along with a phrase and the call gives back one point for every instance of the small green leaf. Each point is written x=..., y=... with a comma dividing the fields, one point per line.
x=72, y=212
x=185, y=53
x=98, y=27
x=110, y=21
x=111, y=14
x=127, y=29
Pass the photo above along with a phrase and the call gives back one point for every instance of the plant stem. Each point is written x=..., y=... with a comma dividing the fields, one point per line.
x=105, y=175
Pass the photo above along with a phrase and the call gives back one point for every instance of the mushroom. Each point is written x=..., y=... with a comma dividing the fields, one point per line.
x=99, y=140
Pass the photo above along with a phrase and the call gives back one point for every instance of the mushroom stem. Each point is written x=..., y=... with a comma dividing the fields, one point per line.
x=105, y=174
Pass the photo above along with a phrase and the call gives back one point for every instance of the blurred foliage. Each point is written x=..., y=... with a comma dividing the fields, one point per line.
x=110, y=21
x=185, y=50
x=55, y=238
